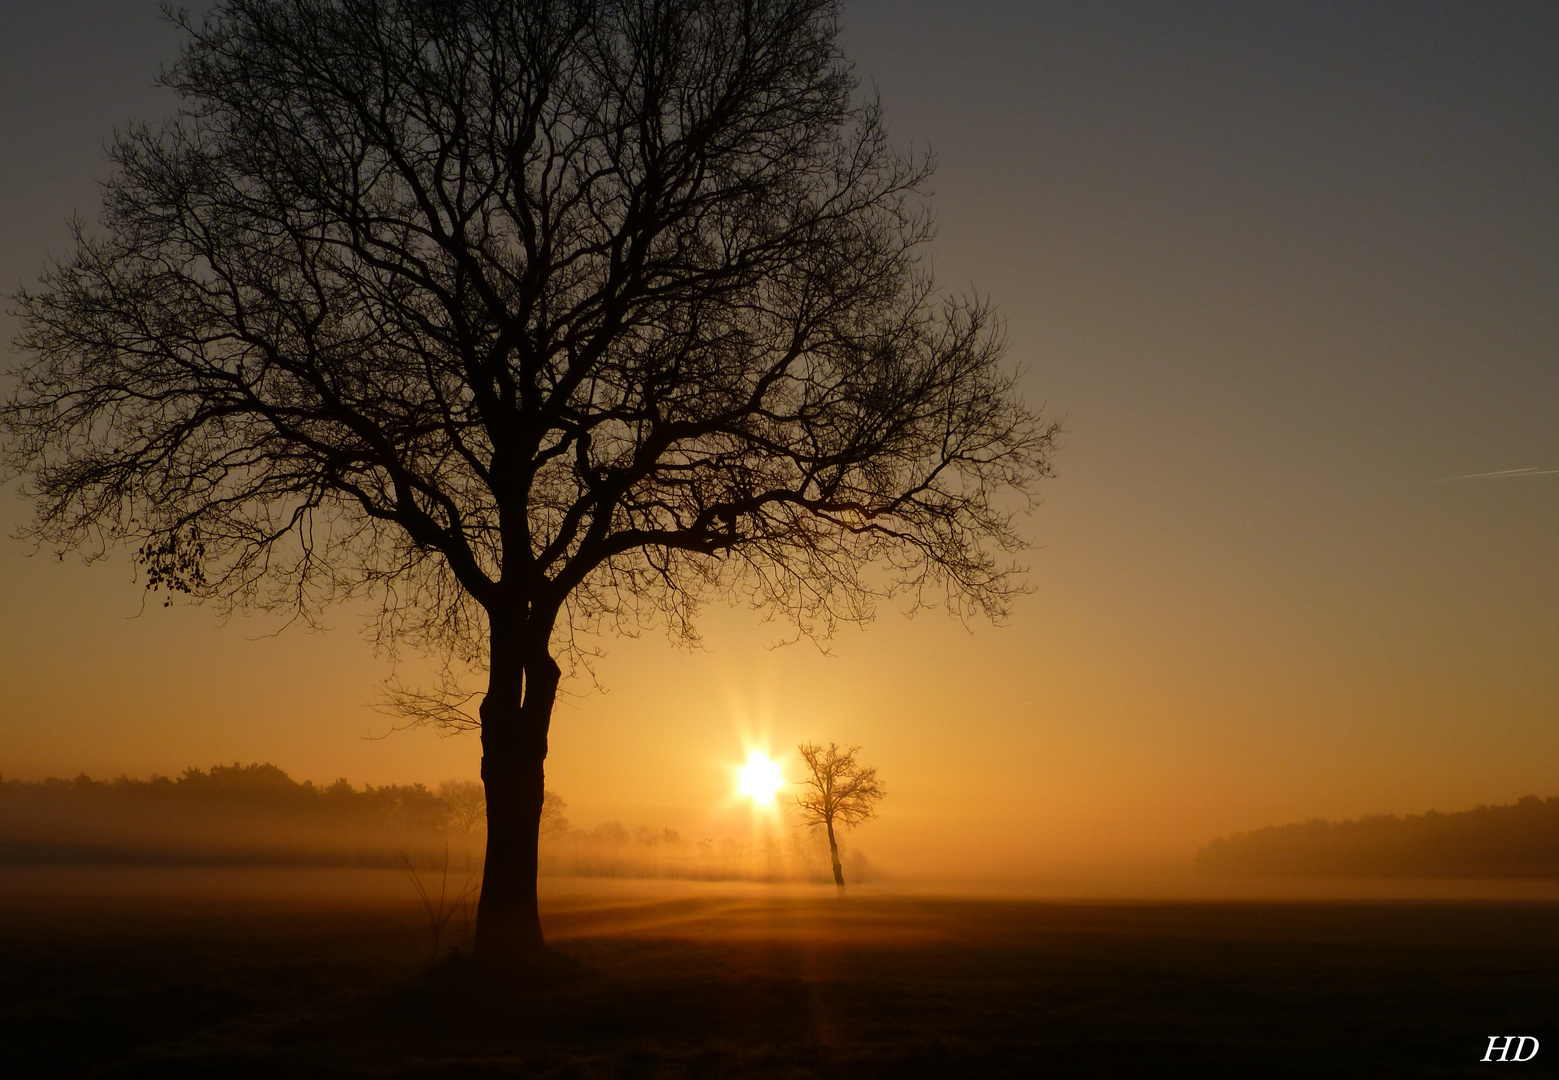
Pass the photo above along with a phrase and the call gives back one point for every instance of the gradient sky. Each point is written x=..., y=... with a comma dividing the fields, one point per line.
x=1290, y=273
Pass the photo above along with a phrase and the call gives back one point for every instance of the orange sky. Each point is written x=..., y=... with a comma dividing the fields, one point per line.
x=1283, y=274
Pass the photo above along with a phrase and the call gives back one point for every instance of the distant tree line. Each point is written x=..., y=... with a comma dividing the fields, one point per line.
x=245, y=812
x=1518, y=840
x=257, y=788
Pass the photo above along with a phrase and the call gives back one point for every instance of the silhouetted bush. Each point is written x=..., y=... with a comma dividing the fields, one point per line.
x=1519, y=840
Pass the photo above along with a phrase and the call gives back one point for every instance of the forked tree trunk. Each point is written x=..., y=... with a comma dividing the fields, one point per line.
x=523, y=685
x=833, y=853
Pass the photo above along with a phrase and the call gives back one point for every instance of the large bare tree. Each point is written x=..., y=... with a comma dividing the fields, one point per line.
x=531, y=320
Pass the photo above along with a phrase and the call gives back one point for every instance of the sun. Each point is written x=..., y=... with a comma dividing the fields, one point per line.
x=760, y=778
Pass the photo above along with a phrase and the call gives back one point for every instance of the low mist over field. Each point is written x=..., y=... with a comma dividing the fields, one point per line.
x=257, y=814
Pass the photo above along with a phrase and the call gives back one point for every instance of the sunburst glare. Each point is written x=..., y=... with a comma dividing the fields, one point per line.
x=760, y=778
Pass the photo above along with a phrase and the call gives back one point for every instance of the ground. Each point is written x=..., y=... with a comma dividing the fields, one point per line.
x=330, y=976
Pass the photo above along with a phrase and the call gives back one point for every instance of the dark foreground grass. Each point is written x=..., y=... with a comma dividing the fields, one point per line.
x=788, y=986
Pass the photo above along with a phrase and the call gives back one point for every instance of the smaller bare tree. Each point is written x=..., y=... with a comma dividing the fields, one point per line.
x=467, y=801
x=839, y=791
x=554, y=826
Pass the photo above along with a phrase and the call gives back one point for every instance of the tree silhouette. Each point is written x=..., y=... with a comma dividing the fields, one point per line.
x=553, y=824
x=531, y=320
x=839, y=791
x=467, y=803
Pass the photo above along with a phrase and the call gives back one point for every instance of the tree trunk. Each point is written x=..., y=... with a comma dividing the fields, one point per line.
x=833, y=852
x=523, y=684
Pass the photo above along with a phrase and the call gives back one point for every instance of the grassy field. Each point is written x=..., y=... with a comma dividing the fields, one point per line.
x=273, y=975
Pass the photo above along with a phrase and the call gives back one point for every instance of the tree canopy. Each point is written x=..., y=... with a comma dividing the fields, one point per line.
x=588, y=305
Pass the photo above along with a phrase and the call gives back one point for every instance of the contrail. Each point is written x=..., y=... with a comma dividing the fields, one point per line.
x=1500, y=474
